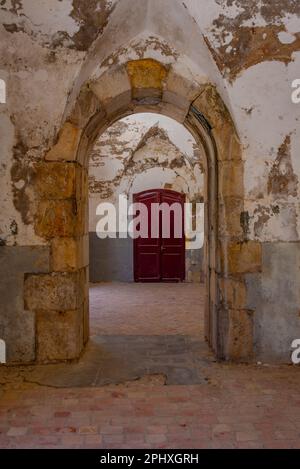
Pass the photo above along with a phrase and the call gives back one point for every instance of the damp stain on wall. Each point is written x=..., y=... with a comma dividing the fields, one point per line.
x=282, y=181
x=238, y=43
x=90, y=19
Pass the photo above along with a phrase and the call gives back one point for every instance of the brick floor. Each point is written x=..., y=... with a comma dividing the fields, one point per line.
x=147, y=309
x=236, y=406
x=146, y=416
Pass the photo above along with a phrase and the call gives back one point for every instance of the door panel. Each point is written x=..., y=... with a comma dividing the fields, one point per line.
x=147, y=250
x=161, y=259
x=173, y=248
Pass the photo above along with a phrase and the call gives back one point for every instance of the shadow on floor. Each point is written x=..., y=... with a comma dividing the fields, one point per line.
x=168, y=360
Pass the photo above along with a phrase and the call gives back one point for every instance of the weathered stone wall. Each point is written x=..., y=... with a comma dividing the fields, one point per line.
x=137, y=153
x=51, y=54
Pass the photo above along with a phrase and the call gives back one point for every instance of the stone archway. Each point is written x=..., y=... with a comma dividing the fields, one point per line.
x=60, y=298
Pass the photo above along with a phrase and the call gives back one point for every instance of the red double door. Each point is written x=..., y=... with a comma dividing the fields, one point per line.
x=160, y=258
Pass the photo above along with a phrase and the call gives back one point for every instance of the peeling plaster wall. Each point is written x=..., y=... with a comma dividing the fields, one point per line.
x=137, y=153
x=40, y=43
x=42, y=48
x=248, y=49
x=256, y=46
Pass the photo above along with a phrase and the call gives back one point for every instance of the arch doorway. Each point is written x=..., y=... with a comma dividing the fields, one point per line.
x=147, y=316
x=62, y=218
x=147, y=289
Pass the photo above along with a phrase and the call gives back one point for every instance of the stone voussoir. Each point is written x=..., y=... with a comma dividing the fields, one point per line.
x=66, y=147
x=147, y=77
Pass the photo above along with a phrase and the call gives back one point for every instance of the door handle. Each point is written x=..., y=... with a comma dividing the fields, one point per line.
x=162, y=248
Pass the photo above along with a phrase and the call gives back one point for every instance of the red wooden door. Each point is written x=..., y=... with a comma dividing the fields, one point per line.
x=161, y=256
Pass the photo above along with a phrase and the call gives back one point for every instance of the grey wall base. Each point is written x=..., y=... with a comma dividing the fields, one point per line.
x=111, y=260
x=274, y=295
x=17, y=326
x=194, y=265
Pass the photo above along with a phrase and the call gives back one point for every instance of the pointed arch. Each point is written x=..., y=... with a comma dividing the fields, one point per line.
x=61, y=217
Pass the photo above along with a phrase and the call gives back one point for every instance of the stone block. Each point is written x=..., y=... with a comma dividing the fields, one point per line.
x=118, y=105
x=69, y=254
x=240, y=257
x=96, y=124
x=230, y=210
x=152, y=96
x=83, y=285
x=55, y=180
x=233, y=293
x=86, y=106
x=176, y=100
x=67, y=144
x=146, y=73
x=142, y=107
x=57, y=218
x=228, y=144
x=59, y=335
x=211, y=105
x=64, y=253
x=235, y=147
x=240, y=335
x=81, y=183
x=83, y=150
x=183, y=89
x=58, y=292
x=111, y=84
x=231, y=179
x=82, y=218
x=172, y=111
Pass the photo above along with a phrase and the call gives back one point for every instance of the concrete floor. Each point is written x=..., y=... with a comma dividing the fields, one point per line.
x=148, y=380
